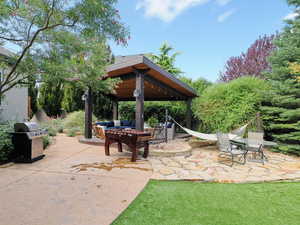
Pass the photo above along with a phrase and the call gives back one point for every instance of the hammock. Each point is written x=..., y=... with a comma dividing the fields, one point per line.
x=239, y=132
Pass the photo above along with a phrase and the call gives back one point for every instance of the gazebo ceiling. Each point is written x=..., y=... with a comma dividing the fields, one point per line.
x=159, y=85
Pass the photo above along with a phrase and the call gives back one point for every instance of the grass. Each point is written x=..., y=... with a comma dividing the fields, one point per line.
x=188, y=203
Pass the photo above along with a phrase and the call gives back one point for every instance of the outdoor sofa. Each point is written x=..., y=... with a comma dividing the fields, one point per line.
x=100, y=128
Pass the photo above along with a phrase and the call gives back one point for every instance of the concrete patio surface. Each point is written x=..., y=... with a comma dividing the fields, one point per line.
x=74, y=184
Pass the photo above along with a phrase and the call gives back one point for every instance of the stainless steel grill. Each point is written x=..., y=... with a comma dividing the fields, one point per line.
x=28, y=141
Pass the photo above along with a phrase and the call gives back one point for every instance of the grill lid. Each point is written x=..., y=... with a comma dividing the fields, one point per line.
x=26, y=127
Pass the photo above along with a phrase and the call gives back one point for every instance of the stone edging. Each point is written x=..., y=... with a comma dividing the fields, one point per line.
x=164, y=153
x=232, y=181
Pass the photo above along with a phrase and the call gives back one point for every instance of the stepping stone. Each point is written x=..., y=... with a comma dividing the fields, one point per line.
x=190, y=166
x=174, y=164
x=166, y=171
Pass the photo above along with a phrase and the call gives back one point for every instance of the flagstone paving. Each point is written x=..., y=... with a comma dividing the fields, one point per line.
x=204, y=165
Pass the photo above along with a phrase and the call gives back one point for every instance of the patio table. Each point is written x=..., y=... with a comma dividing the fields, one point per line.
x=133, y=138
x=243, y=143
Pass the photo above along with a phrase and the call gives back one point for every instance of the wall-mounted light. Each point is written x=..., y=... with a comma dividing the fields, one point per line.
x=136, y=93
x=84, y=97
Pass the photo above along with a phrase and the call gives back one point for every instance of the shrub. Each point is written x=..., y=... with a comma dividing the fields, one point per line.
x=152, y=121
x=75, y=120
x=225, y=106
x=6, y=146
x=46, y=141
x=154, y=109
x=73, y=132
x=53, y=126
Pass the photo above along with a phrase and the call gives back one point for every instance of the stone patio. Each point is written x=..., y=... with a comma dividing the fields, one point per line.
x=204, y=165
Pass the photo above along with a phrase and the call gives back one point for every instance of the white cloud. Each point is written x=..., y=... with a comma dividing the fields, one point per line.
x=224, y=16
x=291, y=16
x=223, y=2
x=167, y=10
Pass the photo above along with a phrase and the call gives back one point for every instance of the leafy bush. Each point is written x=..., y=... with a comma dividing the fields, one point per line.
x=154, y=109
x=225, y=106
x=53, y=126
x=73, y=132
x=75, y=120
x=46, y=141
x=152, y=121
x=6, y=146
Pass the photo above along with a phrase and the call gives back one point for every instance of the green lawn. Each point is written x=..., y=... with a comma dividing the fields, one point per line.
x=185, y=203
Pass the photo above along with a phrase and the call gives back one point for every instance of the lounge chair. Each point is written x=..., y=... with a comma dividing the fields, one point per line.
x=230, y=149
x=254, y=145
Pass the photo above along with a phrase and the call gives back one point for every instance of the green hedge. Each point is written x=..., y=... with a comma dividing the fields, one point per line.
x=154, y=110
x=225, y=106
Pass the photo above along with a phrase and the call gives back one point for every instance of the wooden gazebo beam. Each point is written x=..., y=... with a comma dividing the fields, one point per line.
x=139, y=96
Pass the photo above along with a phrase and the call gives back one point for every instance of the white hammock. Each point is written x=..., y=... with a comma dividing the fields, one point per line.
x=239, y=132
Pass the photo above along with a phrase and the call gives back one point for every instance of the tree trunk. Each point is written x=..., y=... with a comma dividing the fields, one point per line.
x=88, y=113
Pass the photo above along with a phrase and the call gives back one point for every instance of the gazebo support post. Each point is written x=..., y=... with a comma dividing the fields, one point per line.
x=115, y=110
x=139, y=96
x=88, y=113
x=189, y=113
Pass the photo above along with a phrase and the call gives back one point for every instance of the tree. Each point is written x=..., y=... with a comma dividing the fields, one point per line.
x=167, y=61
x=51, y=95
x=281, y=110
x=73, y=64
x=28, y=24
x=72, y=101
x=33, y=94
x=252, y=63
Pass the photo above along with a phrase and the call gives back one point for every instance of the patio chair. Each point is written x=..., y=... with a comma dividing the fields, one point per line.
x=228, y=148
x=254, y=145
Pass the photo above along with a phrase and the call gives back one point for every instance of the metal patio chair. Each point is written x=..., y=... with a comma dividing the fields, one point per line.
x=254, y=145
x=230, y=149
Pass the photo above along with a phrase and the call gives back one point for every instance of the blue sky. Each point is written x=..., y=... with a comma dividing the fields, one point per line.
x=206, y=32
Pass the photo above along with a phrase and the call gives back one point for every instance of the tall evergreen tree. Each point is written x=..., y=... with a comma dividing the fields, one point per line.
x=281, y=113
x=51, y=95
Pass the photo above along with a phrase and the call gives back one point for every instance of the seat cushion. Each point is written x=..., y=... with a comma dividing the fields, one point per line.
x=169, y=125
x=125, y=123
x=132, y=123
x=117, y=123
x=110, y=124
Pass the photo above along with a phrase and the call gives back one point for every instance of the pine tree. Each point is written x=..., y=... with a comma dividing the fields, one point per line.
x=281, y=113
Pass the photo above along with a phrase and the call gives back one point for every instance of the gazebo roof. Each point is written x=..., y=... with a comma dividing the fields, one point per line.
x=159, y=84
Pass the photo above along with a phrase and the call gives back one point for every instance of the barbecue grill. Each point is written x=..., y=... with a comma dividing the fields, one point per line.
x=28, y=142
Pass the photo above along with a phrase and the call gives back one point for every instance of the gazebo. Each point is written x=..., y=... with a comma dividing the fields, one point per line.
x=143, y=80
